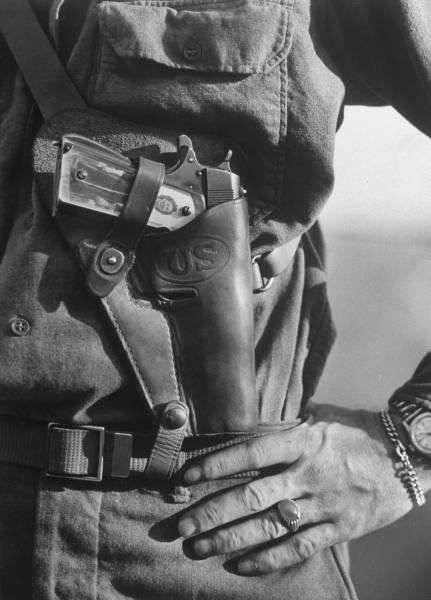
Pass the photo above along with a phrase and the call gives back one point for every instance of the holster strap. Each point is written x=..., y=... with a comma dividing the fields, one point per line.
x=121, y=242
x=167, y=445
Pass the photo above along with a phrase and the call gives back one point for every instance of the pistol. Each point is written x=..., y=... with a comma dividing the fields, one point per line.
x=92, y=176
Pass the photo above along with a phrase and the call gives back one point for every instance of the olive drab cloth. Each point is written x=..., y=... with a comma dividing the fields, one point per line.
x=273, y=76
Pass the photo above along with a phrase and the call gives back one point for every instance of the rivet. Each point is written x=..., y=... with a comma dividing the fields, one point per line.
x=174, y=417
x=81, y=174
x=186, y=211
x=111, y=261
x=19, y=326
x=190, y=159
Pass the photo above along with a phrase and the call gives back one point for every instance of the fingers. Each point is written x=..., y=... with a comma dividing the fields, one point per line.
x=284, y=447
x=260, y=529
x=237, y=503
x=290, y=551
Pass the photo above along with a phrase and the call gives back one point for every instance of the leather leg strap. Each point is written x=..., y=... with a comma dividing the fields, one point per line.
x=169, y=439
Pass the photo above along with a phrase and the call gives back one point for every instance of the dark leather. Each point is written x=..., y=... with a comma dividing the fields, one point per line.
x=147, y=340
x=127, y=230
x=195, y=343
x=166, y=447
x=203, y=272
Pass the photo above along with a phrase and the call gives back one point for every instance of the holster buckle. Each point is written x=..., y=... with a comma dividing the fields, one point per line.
x=260, y=283
x=98, y=471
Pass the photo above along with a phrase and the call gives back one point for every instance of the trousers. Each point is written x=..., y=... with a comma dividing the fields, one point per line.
x=117, y=541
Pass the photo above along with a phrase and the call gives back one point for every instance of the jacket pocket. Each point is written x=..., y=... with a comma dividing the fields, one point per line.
x=227, y=37
x=188, y=62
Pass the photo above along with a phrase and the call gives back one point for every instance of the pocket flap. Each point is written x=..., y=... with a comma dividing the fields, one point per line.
x=243, y=36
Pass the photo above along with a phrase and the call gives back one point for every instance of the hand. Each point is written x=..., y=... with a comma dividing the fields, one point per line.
x=339, y=469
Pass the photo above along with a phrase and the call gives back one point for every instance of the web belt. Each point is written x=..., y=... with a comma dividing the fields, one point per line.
x=91, y=453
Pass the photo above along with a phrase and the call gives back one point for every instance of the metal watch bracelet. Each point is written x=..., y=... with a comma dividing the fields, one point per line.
x=409, y=409
x=405, y=469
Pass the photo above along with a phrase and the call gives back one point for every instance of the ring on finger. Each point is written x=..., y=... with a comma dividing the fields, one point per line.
x=289, y=514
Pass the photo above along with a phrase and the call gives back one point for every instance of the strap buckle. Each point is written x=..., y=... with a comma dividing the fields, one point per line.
x=98, y=471
x=272, y=264
x=260, y=283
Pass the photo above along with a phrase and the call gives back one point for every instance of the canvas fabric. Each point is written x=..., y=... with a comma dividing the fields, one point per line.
x=114, y=541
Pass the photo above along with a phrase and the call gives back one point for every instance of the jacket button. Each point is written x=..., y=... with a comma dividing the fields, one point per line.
x=19, y=326
x=174, y=417
x=192, y=51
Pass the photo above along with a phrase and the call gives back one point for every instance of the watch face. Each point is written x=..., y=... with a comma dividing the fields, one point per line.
x=421, y=434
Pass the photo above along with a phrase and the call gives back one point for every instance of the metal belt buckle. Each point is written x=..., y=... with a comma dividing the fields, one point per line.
x=98, y=476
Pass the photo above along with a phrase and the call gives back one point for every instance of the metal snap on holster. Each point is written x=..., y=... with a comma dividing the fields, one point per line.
x=169, y=438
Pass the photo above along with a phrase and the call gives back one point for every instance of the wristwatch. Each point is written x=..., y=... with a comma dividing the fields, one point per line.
x=416, y=419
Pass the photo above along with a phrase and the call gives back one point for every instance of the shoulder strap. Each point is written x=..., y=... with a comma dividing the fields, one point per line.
x=48, y=80
x=66, y=20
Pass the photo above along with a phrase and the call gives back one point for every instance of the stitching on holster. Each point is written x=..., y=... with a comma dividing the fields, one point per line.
x=128, y=350
x=173, y=362
x=168, y=328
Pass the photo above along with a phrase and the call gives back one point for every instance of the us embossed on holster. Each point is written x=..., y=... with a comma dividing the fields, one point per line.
x=202, y=275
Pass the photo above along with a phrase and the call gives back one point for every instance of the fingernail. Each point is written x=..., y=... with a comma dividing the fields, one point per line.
x=193, y=475
x=188, y=527
x=204, y=547
x=245, y=567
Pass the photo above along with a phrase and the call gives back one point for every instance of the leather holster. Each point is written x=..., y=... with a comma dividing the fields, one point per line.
x=183, y=311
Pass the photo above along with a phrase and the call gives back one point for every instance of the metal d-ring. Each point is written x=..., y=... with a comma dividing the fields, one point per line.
x=266, y=281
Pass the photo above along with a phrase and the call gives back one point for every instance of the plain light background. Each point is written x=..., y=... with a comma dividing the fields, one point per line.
x=378, y=232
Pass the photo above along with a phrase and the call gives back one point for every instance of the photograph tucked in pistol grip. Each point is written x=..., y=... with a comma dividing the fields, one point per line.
x=167, y=250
